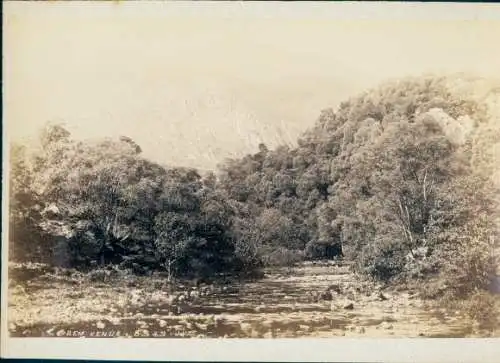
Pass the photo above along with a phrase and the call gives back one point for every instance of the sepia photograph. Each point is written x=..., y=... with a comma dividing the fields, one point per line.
x=250, y=171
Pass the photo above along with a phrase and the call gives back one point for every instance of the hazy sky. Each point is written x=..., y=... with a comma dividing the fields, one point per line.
x=195, y=83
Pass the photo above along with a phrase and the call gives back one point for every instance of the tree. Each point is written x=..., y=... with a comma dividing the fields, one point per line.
x=25, y=238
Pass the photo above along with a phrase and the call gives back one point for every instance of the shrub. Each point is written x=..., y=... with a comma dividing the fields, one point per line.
x=383, y=262
x=483, y=308
x=469, y=267
x=318, y=250
x=284, y=257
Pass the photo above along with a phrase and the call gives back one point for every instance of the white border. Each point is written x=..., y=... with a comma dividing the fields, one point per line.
x=275, y=350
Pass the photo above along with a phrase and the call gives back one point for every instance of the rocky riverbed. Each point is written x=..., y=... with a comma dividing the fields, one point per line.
x=312, y=300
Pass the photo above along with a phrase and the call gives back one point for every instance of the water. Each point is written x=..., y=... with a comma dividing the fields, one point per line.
x=281, y=305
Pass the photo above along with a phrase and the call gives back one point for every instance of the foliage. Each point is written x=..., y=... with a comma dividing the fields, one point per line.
x=317, y=250
x=103, y=204
x=401, y=179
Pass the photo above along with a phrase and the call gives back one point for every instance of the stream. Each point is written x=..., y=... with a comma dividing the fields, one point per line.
x=284, y=304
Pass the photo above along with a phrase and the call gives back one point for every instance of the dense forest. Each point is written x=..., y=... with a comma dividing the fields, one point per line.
x=401, y=180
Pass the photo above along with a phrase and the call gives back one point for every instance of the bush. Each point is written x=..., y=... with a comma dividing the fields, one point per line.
x=419, y=265
x=482, y=307
x=469, y=268
x=284, y=257
x=318, y=250
x=383, y=262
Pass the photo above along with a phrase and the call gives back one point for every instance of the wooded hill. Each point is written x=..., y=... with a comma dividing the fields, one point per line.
x=402, y=180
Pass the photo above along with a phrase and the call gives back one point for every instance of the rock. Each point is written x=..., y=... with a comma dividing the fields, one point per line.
x=314, y=295
x=162, y=323
x=115, y=321
x=382, y=297
x=336, y=288
x=434, y=321
x=348, y=306
x=360, y=330
x=326, y=295
x=141, y=333
x=386, y=325
x=219, y=319
x=305, y=328
x=245, y=327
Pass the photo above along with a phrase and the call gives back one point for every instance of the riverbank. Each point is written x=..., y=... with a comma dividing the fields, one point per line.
x=311, y=300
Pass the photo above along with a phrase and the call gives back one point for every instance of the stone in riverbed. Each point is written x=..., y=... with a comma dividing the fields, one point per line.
x=258, y=309
x=326, y=295
x=246, y=327
x=141, y=333
x=305, y=328
x=382, y=297
x=360, y=330
x=348, y=305
x=386, y=325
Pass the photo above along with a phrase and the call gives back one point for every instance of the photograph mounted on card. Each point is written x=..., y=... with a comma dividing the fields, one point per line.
x=184, y=172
